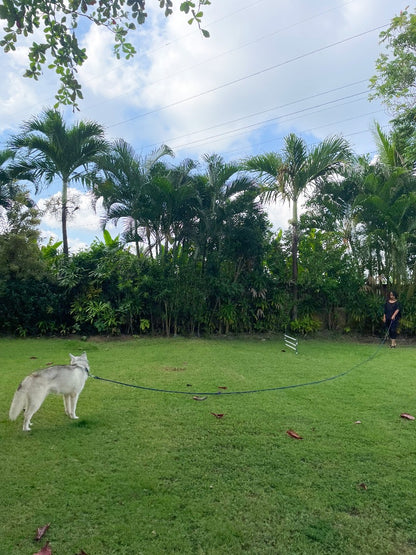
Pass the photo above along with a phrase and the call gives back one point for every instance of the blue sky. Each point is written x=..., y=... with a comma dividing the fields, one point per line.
x=271, y=67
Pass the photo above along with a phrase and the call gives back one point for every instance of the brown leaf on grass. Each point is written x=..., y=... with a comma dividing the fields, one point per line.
x=407, y=416
x=82, y=552
x=362, y=485
x=293, y=434
x=46, y=550
x=217, y=415
x=222, y=387
x=40, y=532
x=33, y=358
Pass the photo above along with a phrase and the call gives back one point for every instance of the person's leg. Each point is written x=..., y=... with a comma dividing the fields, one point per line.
x=393, y=333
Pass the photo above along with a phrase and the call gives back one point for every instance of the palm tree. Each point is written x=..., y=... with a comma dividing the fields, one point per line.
x=221, y=185
x=126, y=189
x=291, y=173
x=8, y=188
x=47, y=149
x=386, y=207
x=176, y=201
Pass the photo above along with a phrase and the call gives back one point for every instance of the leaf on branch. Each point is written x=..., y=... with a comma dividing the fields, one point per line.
x=293, y=434
x=46, y=550
x=41, y=532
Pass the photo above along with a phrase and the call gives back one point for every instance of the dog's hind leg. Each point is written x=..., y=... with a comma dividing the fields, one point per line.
x=67, y=404
x=33, y=405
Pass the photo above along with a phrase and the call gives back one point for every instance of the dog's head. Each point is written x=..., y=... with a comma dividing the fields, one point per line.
x=80, y=360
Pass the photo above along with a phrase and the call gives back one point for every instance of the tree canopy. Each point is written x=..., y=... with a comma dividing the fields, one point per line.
x=58, y=23
x=395, y=80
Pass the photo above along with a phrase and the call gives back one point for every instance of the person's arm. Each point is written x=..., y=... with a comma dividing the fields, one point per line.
x=395, y=313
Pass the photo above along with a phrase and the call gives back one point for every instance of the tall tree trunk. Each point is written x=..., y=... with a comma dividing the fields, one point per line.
x=64, y=216
x=295, y=241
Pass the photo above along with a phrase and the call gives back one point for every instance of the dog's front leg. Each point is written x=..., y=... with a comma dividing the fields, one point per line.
x=73, y=402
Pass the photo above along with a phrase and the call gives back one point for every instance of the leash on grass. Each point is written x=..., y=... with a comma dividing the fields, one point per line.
x=263, y=390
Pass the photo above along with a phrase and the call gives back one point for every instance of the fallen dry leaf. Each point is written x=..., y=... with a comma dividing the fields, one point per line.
x=357, y=422
x=41, y=532
x=82, y=552
x=222, y=387
x=46, y=550
x=407, y=416
x=217, y=415
x=362, y=485
x=197, y=398
x=293, y=434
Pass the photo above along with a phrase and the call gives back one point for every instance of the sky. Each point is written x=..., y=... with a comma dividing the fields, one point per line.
x=269, y=68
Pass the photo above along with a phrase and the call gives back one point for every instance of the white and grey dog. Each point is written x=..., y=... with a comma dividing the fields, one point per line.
x=68, y=380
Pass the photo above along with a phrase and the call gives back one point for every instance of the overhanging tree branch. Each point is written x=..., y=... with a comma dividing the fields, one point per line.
x=58, y=23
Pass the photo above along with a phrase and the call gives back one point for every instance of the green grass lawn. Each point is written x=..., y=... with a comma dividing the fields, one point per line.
x=150, y=472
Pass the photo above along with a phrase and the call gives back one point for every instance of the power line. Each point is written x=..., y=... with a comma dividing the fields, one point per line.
x=259, y=124
x=279, y=107
x=352, y=134
x=244, y=45
x=255, y=74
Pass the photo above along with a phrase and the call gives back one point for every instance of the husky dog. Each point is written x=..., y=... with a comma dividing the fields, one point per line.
x=67, y=380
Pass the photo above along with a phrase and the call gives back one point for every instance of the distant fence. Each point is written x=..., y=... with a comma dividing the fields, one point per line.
x=291, y=343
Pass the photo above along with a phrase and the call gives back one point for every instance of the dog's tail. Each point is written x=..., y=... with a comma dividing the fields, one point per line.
x=18, y=403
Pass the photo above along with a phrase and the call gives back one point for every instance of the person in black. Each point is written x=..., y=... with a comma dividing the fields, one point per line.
x=391, y=317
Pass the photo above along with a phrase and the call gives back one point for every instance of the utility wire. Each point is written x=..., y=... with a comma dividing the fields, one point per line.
x=279, y=107
x=259, y=124
x=268, y=121
x=255, y=74
x=227, y=52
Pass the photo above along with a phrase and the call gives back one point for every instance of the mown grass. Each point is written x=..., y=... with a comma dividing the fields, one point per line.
x=154, y=473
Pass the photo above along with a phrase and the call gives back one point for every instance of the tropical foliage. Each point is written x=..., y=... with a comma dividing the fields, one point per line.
x=290, y=174
x=395, y=79
x=196, y=253
x=203, y=258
